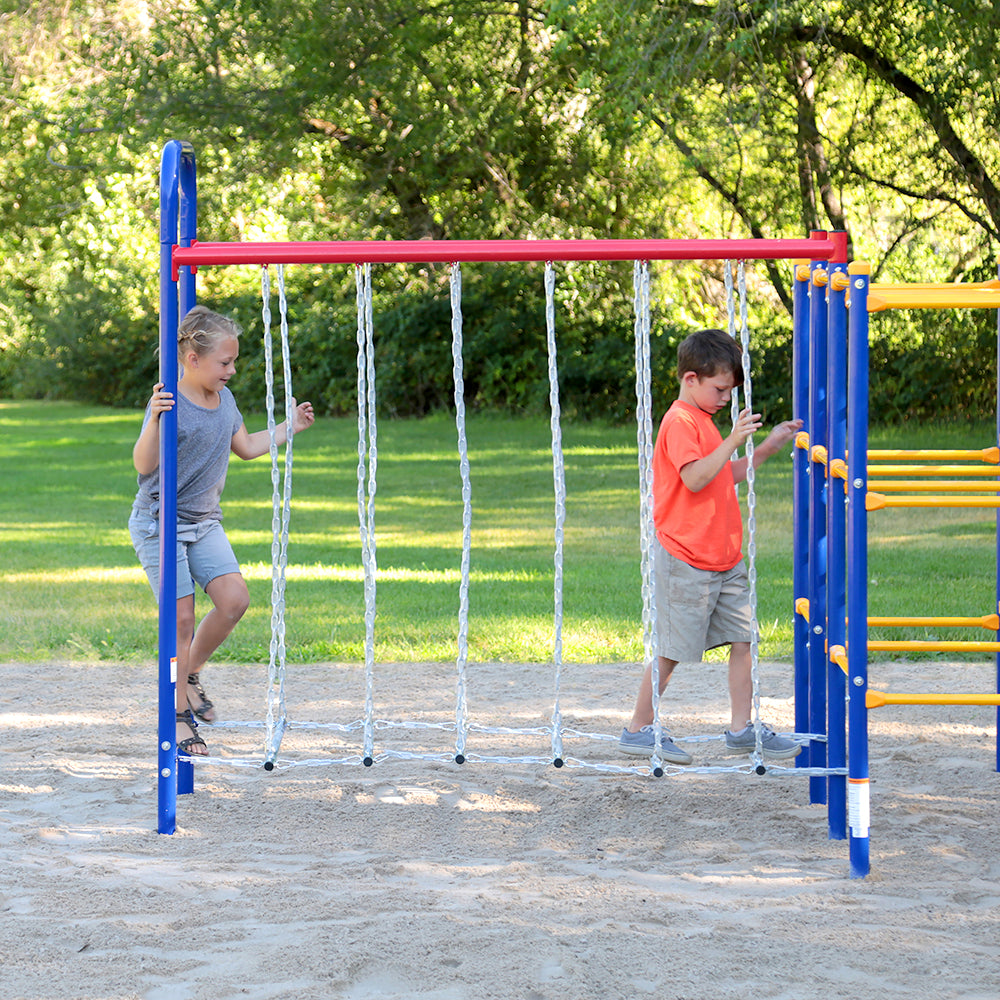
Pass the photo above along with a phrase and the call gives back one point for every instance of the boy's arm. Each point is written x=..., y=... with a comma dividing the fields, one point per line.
x=771, y=445
x=698, y=474
x=246, y=445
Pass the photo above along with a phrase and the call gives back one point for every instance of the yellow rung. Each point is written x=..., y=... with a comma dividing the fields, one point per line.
x=991, y=622
x=948, y=485
x=991, y=283
x=838, y=468
x=932, y=646
x=876, y=501
x=802, y=440
x=983, y=454
x=802, y=607
x=877, y=699
x=930, y=470
x=932, y=297
x=838, y=655
x=817, y=454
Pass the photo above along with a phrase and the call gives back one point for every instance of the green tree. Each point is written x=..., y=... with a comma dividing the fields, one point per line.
x=870, y=117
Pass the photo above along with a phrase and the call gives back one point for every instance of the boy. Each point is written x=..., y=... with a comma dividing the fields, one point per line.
x=702, y=594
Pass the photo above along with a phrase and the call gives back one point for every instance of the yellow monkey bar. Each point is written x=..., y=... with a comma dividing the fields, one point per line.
x=877, y=699
x=991, y=455
x=876, y=501
x=989, y=622
x=977, y=295
x=928, y=485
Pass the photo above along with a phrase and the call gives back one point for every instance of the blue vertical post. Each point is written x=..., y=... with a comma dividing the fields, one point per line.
x=836, y=595
x=817, y=527
x=859, y=810
x=186, y=283
x=800, y=498
x=997, y=591
x=177, y=209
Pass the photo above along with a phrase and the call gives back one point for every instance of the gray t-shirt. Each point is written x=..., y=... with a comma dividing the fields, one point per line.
x=204, y=439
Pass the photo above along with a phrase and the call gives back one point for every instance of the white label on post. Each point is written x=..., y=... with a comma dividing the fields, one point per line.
x=858, y=807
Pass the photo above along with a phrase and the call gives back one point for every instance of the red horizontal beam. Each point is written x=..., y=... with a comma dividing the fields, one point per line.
x=820, y=246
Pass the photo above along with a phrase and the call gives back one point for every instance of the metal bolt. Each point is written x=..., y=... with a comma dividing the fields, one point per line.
x=165, y=773
x=165, y=745
x=859, y=282
x=818, y=629
x=859, y=682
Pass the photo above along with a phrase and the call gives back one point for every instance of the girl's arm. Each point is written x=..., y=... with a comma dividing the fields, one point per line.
x=246, y=445
x=146, y=453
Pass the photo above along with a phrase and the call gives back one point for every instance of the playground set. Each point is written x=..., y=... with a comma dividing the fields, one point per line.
x=838, y=483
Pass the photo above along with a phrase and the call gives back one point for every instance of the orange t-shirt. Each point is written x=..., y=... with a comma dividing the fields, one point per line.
x=704, y=529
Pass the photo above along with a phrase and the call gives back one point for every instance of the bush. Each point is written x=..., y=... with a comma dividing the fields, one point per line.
x=924, y=365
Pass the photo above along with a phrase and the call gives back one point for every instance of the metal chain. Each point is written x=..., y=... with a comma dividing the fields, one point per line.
x=751, y=512
x=559, y=485
x=280, y=513
x=461, y=705
x=367, y=463
x=647, y=527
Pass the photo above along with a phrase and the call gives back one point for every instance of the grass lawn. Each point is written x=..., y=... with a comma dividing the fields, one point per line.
x=70, y=586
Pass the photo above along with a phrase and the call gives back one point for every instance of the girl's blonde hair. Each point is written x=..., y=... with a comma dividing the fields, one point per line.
x=201, y=330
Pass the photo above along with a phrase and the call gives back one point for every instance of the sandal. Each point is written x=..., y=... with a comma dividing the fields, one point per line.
x=184, y=746
x=205, y=705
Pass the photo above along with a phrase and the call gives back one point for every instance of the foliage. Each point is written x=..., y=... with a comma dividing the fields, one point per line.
x=492, y=119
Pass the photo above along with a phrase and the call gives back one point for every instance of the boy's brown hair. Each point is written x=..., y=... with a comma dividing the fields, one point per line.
x=710, y=352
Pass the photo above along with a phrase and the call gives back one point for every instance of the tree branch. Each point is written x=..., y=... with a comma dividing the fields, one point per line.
x=732, y=198
x=934, y=113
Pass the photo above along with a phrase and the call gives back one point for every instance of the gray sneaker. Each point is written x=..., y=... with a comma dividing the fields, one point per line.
x=640, y=744
x=773, y=746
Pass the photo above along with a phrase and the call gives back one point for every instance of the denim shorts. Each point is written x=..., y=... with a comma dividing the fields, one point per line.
x=698, y=609
x=203, y=552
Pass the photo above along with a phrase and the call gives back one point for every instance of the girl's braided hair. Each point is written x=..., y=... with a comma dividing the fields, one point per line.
x=201, y=330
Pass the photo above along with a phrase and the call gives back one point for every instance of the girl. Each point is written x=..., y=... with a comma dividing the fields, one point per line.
x=209, y=427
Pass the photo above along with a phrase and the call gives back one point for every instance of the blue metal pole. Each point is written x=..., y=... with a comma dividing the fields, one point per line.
x=857, y=570
x=836, y=630
x=997, y=592
x=186, y=281
x=817, y=528
x=176, y=175
x=800, y=498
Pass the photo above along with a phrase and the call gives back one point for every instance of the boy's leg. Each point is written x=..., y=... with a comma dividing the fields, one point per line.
x=643, y=714
x=740, y=685
x=773, y=746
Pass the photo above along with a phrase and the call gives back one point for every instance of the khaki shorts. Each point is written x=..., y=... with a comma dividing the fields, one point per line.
x=698, y=609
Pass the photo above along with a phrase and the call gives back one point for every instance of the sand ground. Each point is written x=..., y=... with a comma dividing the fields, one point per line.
x=427, y=880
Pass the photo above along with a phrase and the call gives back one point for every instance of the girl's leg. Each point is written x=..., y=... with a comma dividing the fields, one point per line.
x=643, y=714
x=230, y=600
x=185, y=633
